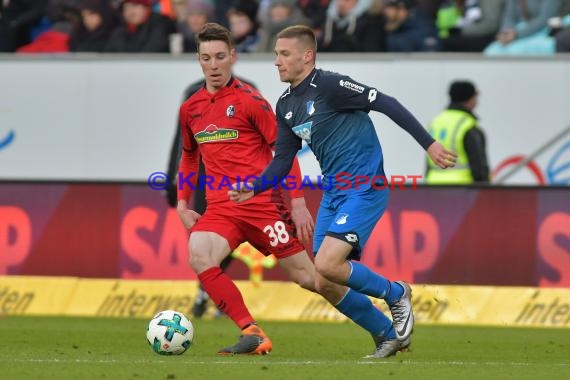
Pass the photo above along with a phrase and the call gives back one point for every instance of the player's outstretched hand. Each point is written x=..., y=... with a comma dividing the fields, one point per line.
x=441, y=156
x=188, y=217
x=242, y=194
x=303, y=220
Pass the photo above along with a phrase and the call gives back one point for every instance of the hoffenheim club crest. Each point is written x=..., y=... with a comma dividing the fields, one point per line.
x=311, y=107
x=341, y=218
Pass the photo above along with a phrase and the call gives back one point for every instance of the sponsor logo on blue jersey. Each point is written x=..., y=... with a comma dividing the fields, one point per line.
x=351, y=86
x=304, y=131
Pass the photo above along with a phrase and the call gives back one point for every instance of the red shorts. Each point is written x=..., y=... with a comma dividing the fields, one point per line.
x=266, y=226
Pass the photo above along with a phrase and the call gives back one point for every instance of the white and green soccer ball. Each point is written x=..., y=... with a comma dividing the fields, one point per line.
x=170, y=333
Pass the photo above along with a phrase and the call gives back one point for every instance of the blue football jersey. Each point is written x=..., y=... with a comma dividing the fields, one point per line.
x=330, y=112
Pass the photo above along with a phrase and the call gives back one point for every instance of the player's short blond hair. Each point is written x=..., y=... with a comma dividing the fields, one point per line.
x=302, y=33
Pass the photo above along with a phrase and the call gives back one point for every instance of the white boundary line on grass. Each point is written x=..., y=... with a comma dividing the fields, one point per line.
x=290, y=362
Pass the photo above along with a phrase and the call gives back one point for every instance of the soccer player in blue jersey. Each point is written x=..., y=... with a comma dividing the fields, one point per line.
x=330, y=112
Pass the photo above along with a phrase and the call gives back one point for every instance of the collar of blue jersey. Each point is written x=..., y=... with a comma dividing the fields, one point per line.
x=302, y=87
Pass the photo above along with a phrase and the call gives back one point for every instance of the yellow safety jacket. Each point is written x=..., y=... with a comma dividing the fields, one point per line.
x=449, y=128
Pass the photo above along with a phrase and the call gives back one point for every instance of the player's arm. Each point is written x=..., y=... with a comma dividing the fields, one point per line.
x=286, y=148
x=266, y=123
x=400, y=115
x=343, y=93
x=187, y=172
x=300, y=214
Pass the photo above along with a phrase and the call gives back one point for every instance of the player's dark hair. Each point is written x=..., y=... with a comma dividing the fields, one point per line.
x=302, y=33
x=213, y=32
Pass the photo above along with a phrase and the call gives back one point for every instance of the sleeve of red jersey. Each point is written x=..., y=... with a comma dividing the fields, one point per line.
x=265, y=121
x=189, y=161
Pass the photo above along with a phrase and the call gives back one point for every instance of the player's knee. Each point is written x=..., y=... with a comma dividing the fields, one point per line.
x=327, y=269
x=307, y=282
x=199, y=261
x=194, y=262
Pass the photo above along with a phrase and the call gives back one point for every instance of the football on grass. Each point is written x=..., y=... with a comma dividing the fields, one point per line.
x=170, y=333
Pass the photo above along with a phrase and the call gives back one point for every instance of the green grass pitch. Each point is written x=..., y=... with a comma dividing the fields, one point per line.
x=94, y=348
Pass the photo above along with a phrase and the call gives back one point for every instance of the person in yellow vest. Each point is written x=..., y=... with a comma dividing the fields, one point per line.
x=457, y=130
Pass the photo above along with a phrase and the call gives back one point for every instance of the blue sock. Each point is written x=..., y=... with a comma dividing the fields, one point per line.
x=360, y=309
x=365, y=281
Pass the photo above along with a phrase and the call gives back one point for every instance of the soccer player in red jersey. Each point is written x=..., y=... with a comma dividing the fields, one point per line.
x=233, y=128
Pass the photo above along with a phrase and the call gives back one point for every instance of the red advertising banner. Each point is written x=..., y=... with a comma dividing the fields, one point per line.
x=437, y=235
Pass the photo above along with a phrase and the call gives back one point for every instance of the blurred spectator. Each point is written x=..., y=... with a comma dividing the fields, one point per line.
x=351, y=27
x=562, y=32
x=474, y=26
x=263, y=10
x=524, y=27
x=165, y=8
x=242, y=17
x=430, y=7
x=116, y=4
x=64, y=17
x=92, y=34
x=16, y=19
x=280, y=14
x=457, y=130
x=198, y=13
x=221, y=12
x=560, y=28
x=563, y=41
x=141, y=30
x=316, y=12
x=456, y=13
x=179, y=10
x=408, y=28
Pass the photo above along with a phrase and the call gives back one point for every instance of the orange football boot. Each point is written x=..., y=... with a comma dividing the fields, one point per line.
x=253, y=341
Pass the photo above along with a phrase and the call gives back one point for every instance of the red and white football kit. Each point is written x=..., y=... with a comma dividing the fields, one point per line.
x=234, y=131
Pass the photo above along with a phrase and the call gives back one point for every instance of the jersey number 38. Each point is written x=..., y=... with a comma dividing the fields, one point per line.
x=277, y=233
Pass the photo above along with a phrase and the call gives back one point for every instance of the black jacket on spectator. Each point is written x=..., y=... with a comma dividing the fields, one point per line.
x=563, y=41
x=417, y=33
x=368, y=36
x=150, y=37
x=83, y=40
x=475, y=146
x=17, y=17
x=315, y=11
x=429, y=7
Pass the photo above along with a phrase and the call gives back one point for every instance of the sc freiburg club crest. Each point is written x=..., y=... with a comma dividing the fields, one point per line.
x=230, y=111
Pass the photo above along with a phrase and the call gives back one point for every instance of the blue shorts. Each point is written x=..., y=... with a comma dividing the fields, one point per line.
x=350, y=217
